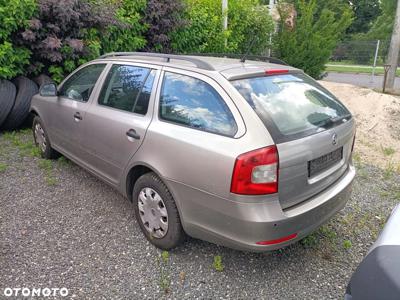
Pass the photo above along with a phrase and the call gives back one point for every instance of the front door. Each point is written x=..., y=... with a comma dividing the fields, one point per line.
x=68, y=117
x=116, y=124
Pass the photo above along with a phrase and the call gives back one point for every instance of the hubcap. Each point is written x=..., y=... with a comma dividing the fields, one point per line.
x=153, y=212
x=40, y=137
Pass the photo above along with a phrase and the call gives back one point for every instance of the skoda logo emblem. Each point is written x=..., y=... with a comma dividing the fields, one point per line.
x=334, y=139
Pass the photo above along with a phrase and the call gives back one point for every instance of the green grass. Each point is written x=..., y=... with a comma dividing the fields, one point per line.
x=389, y=151
x=389, y=170
x=45, y=164
x=323, y=241
x=347, y=244
x=218, y=264
x=3, y=167
x=23, y=141
x=310, y=241
x=50, y=180
x=62, y=161
x=165, y=277
x=355, y=69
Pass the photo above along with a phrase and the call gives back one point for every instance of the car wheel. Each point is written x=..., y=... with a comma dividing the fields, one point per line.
x=42, y=140
x=156, y=212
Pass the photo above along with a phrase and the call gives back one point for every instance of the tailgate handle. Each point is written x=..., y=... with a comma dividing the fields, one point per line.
x=132, y=134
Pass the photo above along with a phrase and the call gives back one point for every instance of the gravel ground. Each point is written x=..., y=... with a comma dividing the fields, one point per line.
x=61, y=227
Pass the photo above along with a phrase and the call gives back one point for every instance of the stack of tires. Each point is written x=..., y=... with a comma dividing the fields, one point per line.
x=15, y=100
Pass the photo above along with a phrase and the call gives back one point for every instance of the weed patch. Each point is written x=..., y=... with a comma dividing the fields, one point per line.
x=218, y=264
x=388, y=151
x=47, y=166
x=165, y=277
x=63, y=161
x=3, y=167
x=347, y=244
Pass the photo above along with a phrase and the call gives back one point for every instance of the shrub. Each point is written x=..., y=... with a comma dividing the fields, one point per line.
x=14, y=15
x=204, y=32
x=12, y=60
x=64, y=34
x=129, y=35
x=251, y=27
x=162, y=17
x=309, y=44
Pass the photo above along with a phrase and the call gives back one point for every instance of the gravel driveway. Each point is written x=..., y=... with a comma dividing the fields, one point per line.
x=61, y=227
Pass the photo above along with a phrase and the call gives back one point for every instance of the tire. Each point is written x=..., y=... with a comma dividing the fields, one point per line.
x=174, y=235
x=8, y=92
x=40, y=136
x=20, y=111
x=42, y=79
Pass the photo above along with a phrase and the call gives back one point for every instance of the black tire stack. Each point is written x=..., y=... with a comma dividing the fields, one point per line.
x=8, y=92
x=15, y=100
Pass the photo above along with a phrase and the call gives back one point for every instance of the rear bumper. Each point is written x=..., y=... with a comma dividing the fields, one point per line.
x=241, y=223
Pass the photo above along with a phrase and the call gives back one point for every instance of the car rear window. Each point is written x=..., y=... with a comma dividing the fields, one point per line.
x=292, y=105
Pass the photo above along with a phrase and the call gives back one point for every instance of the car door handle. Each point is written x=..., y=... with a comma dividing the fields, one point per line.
x=132, y=134
x=77, y=116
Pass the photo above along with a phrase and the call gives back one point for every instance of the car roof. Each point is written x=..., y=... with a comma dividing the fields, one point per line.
x=230, y=68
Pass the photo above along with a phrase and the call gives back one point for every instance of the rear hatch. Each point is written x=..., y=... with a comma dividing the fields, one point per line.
x=313, y=131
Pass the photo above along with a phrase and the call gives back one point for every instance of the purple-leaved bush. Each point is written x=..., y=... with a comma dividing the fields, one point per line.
x=162, y=17
x=61, y=31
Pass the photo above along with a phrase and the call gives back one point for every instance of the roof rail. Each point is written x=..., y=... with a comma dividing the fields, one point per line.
x=199, y=63
x=269, y=59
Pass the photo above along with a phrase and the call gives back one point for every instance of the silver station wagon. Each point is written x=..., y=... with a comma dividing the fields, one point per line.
x=246, y=154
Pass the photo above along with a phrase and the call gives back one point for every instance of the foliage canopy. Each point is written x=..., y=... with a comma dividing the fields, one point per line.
x=309, y=44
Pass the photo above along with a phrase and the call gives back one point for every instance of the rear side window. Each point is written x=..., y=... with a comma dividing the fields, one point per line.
x=292, y=105
x=80, y=85
x=194, y=103
x=124, y=86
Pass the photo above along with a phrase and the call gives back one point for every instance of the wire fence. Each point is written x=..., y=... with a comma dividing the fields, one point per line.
x=361, y=53
x=363, y=63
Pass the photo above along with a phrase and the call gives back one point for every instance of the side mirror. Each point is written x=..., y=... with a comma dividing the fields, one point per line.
x=48, y=90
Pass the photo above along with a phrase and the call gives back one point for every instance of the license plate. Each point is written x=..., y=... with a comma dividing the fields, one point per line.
x=324, y=162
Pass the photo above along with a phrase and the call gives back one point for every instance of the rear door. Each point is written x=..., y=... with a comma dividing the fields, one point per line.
x=313, y=132
x=116, y=122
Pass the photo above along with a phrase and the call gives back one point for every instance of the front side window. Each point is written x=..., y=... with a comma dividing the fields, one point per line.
x=192, y=102
x=80, y=85
x=126, y=86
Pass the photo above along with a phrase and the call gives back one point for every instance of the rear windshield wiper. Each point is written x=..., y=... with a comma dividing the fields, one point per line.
x=335, y=120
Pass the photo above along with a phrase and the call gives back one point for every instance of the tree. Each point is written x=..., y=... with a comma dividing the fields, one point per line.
x=382, y=27
x=309, y=44
x=365, y=13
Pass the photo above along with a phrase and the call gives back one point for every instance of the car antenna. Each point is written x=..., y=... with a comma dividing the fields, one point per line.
x=243, y=59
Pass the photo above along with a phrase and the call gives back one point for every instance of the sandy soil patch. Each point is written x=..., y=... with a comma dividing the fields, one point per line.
x=378, y=123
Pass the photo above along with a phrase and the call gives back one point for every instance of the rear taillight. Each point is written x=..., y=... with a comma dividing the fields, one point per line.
x=256, y=172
